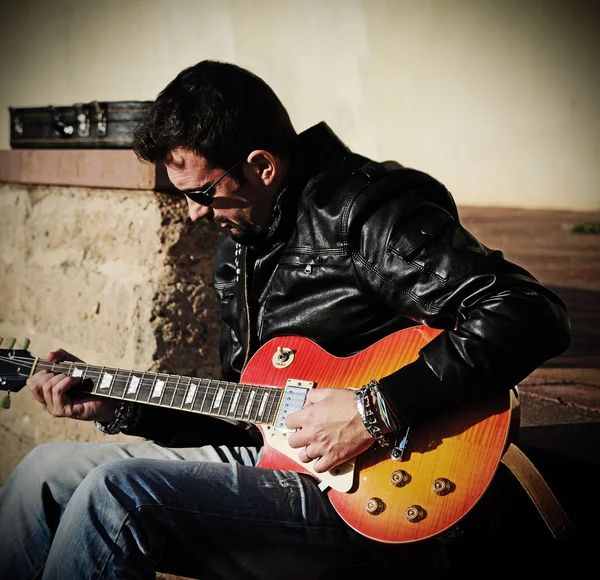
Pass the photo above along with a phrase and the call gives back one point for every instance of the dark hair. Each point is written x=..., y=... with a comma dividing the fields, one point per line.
x=219, y=111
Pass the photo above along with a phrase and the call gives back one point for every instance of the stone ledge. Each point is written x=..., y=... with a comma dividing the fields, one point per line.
x=102, y=168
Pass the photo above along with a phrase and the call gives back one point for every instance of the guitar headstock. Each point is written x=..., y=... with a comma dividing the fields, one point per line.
x=15, y=365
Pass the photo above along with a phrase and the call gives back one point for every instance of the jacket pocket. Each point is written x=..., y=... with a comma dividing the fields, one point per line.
x=418, y=231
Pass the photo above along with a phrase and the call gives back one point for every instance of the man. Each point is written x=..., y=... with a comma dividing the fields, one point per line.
x=323, y=244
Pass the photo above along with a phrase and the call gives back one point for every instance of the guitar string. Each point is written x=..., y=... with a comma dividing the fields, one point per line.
x=149, y=375
x=170, y=390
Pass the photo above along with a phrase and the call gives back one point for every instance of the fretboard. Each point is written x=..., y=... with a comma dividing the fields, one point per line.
x=252, y=403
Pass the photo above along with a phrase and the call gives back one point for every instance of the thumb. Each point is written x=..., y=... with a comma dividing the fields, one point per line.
x=60, y=355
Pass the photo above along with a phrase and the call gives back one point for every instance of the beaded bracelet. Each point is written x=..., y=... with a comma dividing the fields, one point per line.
x=386, y=415
x=126, y=417
x=368, y=416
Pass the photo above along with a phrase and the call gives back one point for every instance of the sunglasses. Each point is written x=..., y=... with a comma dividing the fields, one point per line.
x=205, y=196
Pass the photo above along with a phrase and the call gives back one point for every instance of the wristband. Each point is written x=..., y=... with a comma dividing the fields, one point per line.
x=126, y=417
x=368, y=417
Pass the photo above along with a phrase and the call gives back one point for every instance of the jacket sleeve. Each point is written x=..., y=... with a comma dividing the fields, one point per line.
x=500, y=323
x=175, y=428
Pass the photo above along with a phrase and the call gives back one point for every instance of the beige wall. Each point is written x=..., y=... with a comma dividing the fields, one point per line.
x=497, y=99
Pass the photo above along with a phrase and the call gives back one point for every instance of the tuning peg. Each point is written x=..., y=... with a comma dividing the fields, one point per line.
x=5, y=401
x=25, y=344
x=11, y=343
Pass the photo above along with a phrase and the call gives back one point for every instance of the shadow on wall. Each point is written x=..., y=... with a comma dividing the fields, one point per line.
x=584, y=311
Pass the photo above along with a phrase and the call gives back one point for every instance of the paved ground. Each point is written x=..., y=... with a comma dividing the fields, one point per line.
x=566, y=390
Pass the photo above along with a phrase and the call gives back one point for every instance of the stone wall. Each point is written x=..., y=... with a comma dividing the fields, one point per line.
x=118, y=277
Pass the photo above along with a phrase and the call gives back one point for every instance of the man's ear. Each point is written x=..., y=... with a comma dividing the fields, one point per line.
x=264, y=167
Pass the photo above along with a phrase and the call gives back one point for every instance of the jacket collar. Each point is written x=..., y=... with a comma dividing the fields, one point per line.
x=314, y=150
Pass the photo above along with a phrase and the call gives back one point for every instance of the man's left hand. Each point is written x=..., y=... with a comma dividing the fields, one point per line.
x=328, y=428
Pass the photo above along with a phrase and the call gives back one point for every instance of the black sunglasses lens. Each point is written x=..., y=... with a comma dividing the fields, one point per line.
x=200, y=197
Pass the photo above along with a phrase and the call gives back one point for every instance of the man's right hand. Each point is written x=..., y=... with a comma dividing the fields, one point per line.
x=52, y=391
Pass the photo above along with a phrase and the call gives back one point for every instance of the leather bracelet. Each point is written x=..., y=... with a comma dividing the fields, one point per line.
x=127, y=415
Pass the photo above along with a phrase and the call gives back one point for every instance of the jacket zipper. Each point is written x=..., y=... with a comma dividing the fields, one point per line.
x=241, y=266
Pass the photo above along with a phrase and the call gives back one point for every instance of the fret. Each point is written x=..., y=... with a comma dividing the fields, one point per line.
x=201, y=408
x=178, y=396
x=165, y=389
x=135, y=387
x=105, y=380
x=145, y=389
x=263, y=403
x=247, y=413
x=235, y=392
x=178, y=388
x=190, y=395
x=77, y=372
x=245, y=396
x=112, y=382
x=209, y=397
x=218, y=399
x=231, y=411
x=156, y=389
x=253, y=403
x=115, y=386
x=240, y=407
x=267, y=406
x=170, y=396
x=272, y=404
x=157, y=392
x=126, y=383
x=132, y=386
x=119, y=385
x=225, y=399
x=161, y=385
x=197, y=386
x=180, y=391
x=275, y=396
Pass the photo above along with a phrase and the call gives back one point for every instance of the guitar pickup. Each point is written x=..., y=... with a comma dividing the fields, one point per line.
x=293, y=399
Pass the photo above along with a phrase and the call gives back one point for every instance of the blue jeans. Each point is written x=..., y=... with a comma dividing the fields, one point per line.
x=123, y=510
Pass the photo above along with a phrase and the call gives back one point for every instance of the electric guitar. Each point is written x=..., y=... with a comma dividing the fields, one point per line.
x=417, y=489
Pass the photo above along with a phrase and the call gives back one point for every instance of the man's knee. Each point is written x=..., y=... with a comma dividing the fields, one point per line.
x=118, y=480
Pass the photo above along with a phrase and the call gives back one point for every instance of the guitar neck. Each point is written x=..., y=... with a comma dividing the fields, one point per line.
x=251, y=403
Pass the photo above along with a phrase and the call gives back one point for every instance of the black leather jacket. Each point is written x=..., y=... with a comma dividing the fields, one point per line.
x=359, y=249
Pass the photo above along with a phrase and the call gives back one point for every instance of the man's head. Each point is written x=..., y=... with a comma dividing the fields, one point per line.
x=211, y=118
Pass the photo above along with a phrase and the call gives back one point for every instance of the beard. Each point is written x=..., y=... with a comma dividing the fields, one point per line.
x=248, y=237
x=247, y=234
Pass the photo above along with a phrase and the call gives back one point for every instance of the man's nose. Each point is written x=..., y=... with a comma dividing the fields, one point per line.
x=197, y=211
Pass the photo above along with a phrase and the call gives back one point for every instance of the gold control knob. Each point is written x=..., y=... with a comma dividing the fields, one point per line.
x=414, y=513
x=441, y=486
x=399, y=478
x=375, y=506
